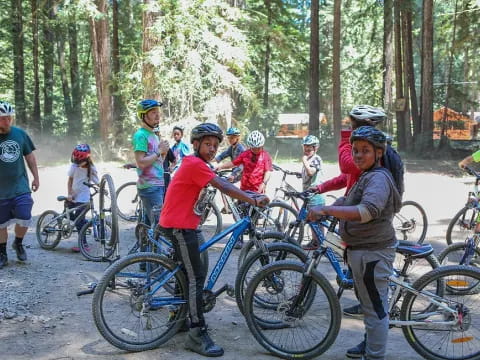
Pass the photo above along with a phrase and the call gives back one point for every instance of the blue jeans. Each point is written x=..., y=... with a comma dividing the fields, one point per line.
x=152, y=196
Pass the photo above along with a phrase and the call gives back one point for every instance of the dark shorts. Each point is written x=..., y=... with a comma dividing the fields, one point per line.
x=16, y=210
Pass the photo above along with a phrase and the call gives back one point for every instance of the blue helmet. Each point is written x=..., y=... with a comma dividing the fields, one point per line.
x=146, y=105
x=368, y=133
x=310, y=140
x=233, y=131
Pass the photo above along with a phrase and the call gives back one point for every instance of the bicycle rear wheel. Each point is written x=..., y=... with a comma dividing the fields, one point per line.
x=278, y=215
x=433, y=337
x=211, y=219
x=291, y=331
x=136, y=310
x=48, y=230
x=410, y=223
x=108, y=208
x=462, y=225
x=128, y=202
x=256, y=260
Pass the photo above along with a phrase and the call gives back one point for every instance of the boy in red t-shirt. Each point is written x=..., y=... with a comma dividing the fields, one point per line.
x=180, y=219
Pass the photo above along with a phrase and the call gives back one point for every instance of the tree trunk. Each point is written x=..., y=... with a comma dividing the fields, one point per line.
x=117, y=98
x=426, y=113
x=35, y=123
x=150, y=88
x=399, y=88
x=75, y=80
x=313, y=104
x=388, y=63
x=336, y=87
x=67, y=101
x=48, y=61
x=101, y=64
x=18, y=63
x=408, y=75
x=266, y=72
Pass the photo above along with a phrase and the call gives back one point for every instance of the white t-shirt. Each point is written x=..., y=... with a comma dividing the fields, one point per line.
x=80, y=192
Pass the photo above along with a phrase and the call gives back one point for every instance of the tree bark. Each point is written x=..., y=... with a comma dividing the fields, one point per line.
x=336, y=85
x=18, y=63
x=149, y=41
x=117, y=98
x=67, y=100
x=48, y=61
x=388, y=63
x=75, y=79
x=35, y=123
x=399, y=87
x=426, y=113
x=101, y=63
x=313, y=103
x=266, y=71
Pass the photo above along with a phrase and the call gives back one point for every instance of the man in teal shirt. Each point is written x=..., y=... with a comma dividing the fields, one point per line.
x=15, y=199
x=149, y=155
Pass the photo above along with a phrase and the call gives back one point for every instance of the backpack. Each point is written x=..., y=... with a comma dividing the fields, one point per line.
x=392, y=161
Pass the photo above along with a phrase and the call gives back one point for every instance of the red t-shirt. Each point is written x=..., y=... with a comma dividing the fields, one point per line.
x=254, y=168
x=191, y=177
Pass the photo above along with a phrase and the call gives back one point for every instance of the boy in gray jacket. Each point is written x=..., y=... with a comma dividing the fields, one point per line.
x=366, y=215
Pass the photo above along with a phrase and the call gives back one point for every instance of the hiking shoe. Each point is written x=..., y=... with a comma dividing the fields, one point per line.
x=354, y=311
x=3, y=260
x=357, y=352
x=312, y=245
x=200, y=342
x=76, y=249
x=19, y=249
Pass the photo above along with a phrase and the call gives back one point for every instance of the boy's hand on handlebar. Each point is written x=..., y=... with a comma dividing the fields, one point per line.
x=313, y=189
x=316, y=213
x=261, y=200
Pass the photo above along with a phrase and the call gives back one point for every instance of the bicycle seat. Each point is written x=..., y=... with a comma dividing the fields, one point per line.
x=410, y=248
x=61, y=198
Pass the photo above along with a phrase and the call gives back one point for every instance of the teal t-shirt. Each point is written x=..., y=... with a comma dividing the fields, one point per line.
x=147, y=142
x=13, y=174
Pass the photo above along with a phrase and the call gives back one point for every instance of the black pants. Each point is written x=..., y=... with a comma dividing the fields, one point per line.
x=186, y=243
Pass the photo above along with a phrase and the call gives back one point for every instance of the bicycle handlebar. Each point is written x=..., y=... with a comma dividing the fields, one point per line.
x=472, y=172
x=288, y=172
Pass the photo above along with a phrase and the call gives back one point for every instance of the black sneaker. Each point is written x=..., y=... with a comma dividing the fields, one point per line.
x=200, y=342
x=357, y=352
x=3, y=260
x=354, y=311
x=19, y=249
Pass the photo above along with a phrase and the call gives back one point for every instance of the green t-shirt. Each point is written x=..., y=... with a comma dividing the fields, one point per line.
x=13, y=174
x=147, y=142
x=476, y=156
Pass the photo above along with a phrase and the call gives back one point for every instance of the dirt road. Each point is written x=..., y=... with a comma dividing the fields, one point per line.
x=41, y=317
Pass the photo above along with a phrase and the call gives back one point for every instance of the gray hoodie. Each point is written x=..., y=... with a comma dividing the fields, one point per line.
x=378, y=200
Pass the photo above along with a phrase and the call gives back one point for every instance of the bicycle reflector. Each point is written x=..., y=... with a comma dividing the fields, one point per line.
x=458, y=283
x=462, y=340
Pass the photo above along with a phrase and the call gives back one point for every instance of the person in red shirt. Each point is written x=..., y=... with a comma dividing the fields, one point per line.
x=180, y=218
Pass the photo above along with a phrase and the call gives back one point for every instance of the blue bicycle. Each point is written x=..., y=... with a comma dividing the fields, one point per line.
x=139, y=309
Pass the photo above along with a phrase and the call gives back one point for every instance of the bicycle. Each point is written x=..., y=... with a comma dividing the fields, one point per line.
x=411, y=259
x=100, y=231
x=140, y=310
x=463, y=224
x=301, y=298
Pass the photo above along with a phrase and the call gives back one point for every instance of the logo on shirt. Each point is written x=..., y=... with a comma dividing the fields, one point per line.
x=9, y=151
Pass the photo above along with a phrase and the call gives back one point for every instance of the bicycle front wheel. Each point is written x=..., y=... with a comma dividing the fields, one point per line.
x=277, y=216
x=462, y=225
x=211, y=219
x=298, y=326
x=450, y=331
x=108, y=208
x=453, y=255
x=49, y=229
x=134, y=307
x=128, y=202
x=90, y=244
x=410, y=223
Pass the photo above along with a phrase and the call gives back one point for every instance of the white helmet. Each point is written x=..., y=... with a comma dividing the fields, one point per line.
x=255, y=139
x=6, y=109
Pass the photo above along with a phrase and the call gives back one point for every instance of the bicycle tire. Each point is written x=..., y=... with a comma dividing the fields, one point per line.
x=122, y=330
x=40, y=230
x=278, y=217
x=327, y=308
x=451, y=342
x=411, y=222
x=462, y=225
x=128, y=207
x=92, y=249
x=248, y=247
x=277, y=251
x=106, y=195
x=211, y=218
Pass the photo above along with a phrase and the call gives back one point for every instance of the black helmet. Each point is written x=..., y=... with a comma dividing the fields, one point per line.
x=370, y=134
x=369, y=114
x=206, y=129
